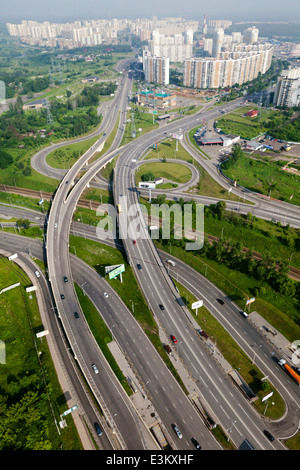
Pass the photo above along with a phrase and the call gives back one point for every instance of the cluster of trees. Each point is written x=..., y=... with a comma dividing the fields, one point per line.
x=5, y=159
x=267, y=271
x=283, y=127
x=35, y=85
x=90, y=96
x=24, y=412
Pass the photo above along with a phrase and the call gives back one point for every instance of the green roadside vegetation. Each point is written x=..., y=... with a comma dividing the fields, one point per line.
x=263, y=177
x=65, y=157
x=175, y=172
x=31, y=397
x=143, y=123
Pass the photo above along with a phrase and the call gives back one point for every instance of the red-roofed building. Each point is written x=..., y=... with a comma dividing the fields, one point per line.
x=252, y=113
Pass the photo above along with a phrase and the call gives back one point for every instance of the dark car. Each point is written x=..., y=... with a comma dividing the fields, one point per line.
x=221, y=302
x=98, y=429
x=139, y=266
x=268, y=434
x=65, y=279
x=62, y=296
x=161, y=306
x=196, y=443
x=76, y=315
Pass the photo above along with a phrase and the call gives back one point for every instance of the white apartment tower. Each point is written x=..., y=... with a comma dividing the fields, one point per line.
x=287, y=91
x=156, y=69
x=177, y=47
x=250, y=35
x=218, y=38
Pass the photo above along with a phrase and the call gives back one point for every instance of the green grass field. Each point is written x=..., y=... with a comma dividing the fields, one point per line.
x=175, y=172
x=264, y=177
x=246, y=127
x=31, y=396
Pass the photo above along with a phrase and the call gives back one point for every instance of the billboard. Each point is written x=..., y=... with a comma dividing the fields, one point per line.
x=147, y=185
x=117, y=271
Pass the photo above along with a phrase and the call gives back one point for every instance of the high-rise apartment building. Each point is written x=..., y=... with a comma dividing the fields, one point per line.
x=156, y=69
x=218, y=38
x=227, y=71
x=177, y=47
x=250, y=35
x=287, y=91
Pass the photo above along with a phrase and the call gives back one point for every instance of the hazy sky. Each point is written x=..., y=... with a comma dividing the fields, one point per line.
x=272, y=10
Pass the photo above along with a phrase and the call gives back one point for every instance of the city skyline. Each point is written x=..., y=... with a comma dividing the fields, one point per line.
x=92, y=9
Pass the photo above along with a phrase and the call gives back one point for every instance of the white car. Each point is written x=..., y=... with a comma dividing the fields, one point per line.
x=105, y=294
x=95, y=369
x=37, y=274
x=177, y=431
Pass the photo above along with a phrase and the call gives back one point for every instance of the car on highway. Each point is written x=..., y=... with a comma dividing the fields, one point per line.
x=139, y=266
x=55, y=225
x=105, y=294
x=173, y=339
x=268, y=434
x=196, y=443
x=37, y=274
x=65, y=279
x=98, y=429
x=244, y=314
x=161, y=306
x=76, y=315
x=221, y=302
x=176, y=429
x=62, y=296
x=95, y=369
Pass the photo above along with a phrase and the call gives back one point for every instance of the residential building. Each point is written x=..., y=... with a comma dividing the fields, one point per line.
x=156, y=69
x=287, y=91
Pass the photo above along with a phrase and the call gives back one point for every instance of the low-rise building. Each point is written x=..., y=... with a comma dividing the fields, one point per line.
x=36, y=104
x=156, y=100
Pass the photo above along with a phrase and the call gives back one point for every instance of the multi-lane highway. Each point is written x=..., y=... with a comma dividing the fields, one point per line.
x=157, y=288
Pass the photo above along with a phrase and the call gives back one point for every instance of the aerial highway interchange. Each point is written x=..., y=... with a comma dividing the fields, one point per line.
x=122, y=426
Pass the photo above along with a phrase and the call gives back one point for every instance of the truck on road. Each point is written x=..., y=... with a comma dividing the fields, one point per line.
x=161, y=437
x=289, y=370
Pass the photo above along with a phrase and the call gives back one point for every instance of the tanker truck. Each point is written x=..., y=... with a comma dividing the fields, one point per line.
x=289, y=370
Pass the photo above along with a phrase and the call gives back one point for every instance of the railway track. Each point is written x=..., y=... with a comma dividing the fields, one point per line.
x=294, y=273
x=87, y=203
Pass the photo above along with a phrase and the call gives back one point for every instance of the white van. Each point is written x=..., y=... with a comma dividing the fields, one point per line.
x=245, y=315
